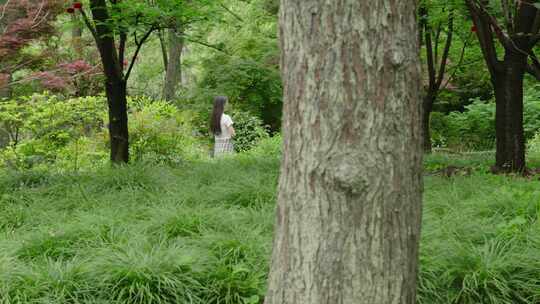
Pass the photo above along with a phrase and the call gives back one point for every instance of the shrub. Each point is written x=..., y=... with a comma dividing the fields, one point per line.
x=474, y=129
x=249, y=130
x=438, y=126
x=40, y=125
x=268, y=149
x=159, y=132
x=83, y=153
x=46, y=130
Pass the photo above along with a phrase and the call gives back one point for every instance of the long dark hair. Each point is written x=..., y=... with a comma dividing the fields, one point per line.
x=215, y=120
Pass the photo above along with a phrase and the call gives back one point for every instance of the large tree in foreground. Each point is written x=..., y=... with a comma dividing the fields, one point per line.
x=349, y=205
x=516, y=27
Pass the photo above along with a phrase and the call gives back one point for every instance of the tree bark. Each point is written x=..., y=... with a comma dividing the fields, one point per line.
x=173, y=75
x=349, y=203
x=508, y=86
x=118, y=120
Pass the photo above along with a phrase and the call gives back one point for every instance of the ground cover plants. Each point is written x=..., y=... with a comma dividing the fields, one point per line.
x=201, y=232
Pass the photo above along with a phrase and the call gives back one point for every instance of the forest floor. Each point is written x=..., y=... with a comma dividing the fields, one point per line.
x=202, y=233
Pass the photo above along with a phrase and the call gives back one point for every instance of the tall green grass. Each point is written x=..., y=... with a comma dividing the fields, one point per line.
x=201, y=233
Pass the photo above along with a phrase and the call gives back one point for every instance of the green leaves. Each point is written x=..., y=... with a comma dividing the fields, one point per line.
x=133, y=15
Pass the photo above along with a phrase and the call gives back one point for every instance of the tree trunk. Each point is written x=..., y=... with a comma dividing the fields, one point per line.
x=349, y=203
x=508, y=85
x=115, y=85
x=76, y=36
x=427, y=104
x=173, y=75
x=118, y=120
x=188, y=77
x=517, y=40
x=163, y=49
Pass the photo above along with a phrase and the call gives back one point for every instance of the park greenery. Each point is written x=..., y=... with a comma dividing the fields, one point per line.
x=166, y=223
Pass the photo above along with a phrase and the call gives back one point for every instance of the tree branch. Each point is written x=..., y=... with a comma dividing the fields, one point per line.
x=427, y=30
x=507, y=16
x=535, y=30
x=137, y=50
x=460, y=62
x=534, y=40
x=446, y=51
x=122, y=48
x=89, y=25
x=485, y=37
x=430, y=59
x=534, y=71
x=536, y=24
x=499, y=33
x=231, y=12
x=437, y=39
x=105, y=40
x=534, y=67
x=4, y=8
x=215, y=47
x=163, y=49
x=123, y=33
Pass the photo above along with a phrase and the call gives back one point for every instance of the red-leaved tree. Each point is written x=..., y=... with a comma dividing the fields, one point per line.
x=22, y=22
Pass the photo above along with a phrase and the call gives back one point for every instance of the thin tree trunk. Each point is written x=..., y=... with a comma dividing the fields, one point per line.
x=76, y=36
x=187, y=75
x=5, y=92
x=508, y=85
x=173, y=75
x=349, y=204
x=163, y=49
x=435, y=77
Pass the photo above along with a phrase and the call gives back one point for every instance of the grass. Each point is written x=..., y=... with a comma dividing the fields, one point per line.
x=202, y=232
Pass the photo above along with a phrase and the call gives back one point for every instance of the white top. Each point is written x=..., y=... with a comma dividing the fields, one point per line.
x=226, y=122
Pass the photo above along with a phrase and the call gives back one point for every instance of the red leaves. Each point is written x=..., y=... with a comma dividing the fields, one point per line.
x=50, y=81
x=74, y=6
x=66, y=75
x=474, y=29
x=25, y=21
x=75, y=67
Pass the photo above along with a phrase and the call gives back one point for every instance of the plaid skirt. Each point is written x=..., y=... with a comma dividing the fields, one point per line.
x=223, y=146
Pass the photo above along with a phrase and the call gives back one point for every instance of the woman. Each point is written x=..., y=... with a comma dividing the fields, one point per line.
x=221, y=126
